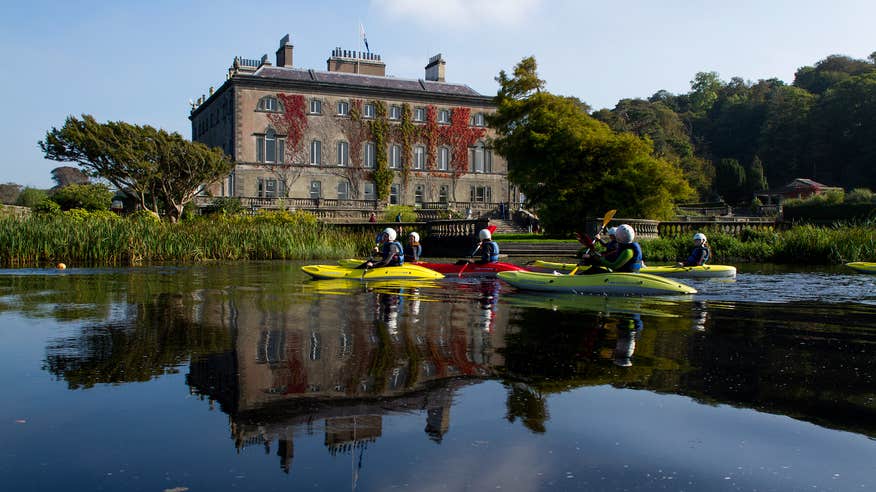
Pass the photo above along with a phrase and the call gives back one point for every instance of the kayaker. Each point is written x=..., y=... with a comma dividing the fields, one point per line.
x=414, y=249
x=629, y=253
x=489, y=248
x=611, y=246
x=700, y=253
x=391, y=251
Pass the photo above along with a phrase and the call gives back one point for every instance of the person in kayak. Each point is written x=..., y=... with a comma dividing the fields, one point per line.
x=414, y=250
x=489, y=248
x=611, y=246
x=700, y=253
x=391, y=251
x=629, y=254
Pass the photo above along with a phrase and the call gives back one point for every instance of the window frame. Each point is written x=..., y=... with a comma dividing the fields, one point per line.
x=345, y=195
x=444, y=157
x=395, y=157
x=369, y=110
x=420, y=114
x=443, y=116
x=419, y=162
x=343, y=108
x=369, y=160
x=395, y=112
x=317, y=104
x=343, y=150
x=315, y=152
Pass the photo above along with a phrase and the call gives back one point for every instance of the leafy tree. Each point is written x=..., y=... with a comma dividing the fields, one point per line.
x=67, y=175
x=730, y=180
x=704, y=91
x=9, y=193
x=31, y=197
x=784, y=141
x=829, y=72
x=755, y=181
x=90, y=197
x=571, y=165
x=159, y=168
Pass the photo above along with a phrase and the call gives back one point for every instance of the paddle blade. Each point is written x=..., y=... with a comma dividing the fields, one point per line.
x=608, y=216
x=491, y=228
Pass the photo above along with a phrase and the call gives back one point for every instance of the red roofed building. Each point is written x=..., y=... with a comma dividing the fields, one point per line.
x=802, y=188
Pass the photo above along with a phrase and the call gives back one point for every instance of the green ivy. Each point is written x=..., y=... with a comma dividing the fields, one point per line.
x=379, y=127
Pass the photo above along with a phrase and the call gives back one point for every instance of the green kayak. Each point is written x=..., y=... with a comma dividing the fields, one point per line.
x=705, y=271
x=613, y=284
x=863, y=266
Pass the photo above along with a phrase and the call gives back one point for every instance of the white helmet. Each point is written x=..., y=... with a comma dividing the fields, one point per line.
x=625, y=234
x=700, y=236
x=390, y=233
x=415, y=236
x=484, y=234
x=612, y=231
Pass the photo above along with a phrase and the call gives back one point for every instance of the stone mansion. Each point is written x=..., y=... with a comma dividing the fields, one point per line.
x=351, y=133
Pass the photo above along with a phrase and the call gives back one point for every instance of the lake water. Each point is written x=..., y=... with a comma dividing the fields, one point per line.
x=249, y=376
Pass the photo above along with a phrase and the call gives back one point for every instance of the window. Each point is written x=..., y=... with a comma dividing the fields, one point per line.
x=315, y=106
x=444, y=116
x=316, y=152
x=395, y=112
x=343, y=190
x=343, y=108
x=419, y=157
x=420, y=114
x=395, y=160
x=269, y=104
x=477, y=119
x=315, y=189
x=370, y=155
x=481, y=194
x=343, y=154
x=268, y=188
x=270, y=148
x=481, y=158
x=443, y=193
x=370, y=191
x=368, y=110
x=393, y=194
x=443, y=158
x=419, y=192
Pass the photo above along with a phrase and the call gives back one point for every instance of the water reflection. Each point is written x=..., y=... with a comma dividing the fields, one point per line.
x=287, y=359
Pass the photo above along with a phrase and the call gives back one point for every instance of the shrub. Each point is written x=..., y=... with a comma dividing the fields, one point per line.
x=47, y=206
x=225, y=205
x=407, y=213
x=860, y=195
x=90, y=196
x=31, y=197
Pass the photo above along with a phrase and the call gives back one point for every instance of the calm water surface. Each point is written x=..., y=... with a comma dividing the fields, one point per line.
x=252, y=377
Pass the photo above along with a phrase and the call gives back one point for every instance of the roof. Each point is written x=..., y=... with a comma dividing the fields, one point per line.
x=370, y=81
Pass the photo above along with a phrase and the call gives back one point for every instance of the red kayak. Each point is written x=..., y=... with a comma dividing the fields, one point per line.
x=471, y=269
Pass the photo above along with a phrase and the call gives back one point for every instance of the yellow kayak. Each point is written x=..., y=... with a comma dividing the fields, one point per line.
x=705, y=271
x=638, y=284
x=380, y=273
x=863, y=266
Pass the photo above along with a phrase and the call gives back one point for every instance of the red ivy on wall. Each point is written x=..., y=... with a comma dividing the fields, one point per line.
x=292, y=121
x=460, y=136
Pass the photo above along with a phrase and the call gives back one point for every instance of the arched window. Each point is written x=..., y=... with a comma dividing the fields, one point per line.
x=269, y=104
x=270, y=148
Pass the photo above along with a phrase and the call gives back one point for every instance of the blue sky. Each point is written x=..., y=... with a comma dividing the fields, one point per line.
x=141, y=62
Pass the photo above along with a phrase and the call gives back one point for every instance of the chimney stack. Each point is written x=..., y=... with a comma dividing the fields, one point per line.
x=284, y=53
x=435, y=69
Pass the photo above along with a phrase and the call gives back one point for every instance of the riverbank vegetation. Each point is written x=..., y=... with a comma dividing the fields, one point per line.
x=102, y=238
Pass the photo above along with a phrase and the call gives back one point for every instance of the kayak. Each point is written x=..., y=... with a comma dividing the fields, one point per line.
x=613, y=283
x=452, y=269
x=705, y=271
x=405, y=271
x=863, y=266
x=346, y=285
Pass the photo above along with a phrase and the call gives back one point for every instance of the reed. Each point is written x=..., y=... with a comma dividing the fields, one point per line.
x=104, y=239
x=806, y=244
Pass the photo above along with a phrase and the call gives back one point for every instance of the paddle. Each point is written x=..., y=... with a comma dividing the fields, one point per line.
x=605, y=220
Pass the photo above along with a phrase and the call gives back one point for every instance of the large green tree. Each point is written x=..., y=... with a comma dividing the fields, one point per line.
x=571, y=165
x=163, y=170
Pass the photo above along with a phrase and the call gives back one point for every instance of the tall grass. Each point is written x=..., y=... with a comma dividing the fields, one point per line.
x=839, y=243
x=104, y=239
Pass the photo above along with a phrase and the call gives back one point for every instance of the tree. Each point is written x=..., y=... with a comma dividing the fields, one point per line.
x=159, y=168
x=31, y=197
x=755, y=181
x=68, y=175
x=9, y=193
x=730, y=180
x=704, y=91
x=570, y=165
x=86, y=196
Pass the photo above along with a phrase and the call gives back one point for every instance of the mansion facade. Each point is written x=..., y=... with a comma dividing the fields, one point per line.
x=351, y=133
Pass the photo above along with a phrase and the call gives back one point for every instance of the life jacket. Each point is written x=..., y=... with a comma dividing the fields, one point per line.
x=490, y=252
x=414, y=251
x=695, y=255
x=635, y=263
x=611, y=250
x=398, y=259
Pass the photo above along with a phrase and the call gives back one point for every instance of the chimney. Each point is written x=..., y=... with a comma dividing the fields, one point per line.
x=435, y=69
x=284, y=53
x=349, y=61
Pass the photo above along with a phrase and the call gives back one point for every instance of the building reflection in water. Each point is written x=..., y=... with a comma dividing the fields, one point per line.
x=339, y=363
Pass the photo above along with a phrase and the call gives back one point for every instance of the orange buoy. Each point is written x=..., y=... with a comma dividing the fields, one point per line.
x=61, y=266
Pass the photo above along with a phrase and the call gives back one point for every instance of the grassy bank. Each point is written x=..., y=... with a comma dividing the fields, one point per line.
x=81, y=238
